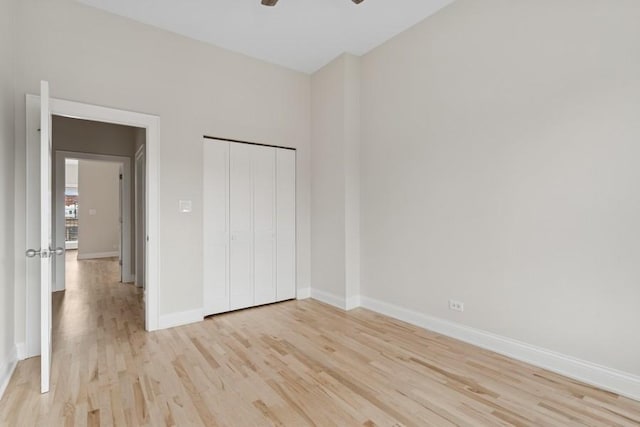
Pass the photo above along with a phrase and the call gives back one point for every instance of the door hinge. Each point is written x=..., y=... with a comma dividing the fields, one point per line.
x=120, y=176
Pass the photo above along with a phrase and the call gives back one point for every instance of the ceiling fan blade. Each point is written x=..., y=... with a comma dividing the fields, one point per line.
x=273, y=2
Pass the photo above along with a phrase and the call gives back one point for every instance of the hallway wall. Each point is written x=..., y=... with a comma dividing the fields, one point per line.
x=98, y=209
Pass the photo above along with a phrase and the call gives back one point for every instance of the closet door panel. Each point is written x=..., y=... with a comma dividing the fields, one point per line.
x=286, y=224
x=216, y=226
x=241, y=218
x=264, y=224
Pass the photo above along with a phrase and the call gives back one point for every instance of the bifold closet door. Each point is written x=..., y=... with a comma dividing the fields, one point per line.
x=241, y=287
x=249, y=221
x=216, y=226
x=286, y=224
x=264, y=224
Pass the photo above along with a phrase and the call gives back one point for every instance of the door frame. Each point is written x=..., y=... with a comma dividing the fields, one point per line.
x=151, y=124
x=126, y=236
x=139, y=189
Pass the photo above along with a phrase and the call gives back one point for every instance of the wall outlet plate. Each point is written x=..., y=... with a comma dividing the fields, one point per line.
x=456, y=305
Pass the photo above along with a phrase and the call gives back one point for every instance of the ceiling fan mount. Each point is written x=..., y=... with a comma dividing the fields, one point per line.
x=273, y=2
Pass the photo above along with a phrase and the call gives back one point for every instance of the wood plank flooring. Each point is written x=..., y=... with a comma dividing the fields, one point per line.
x=293, y=364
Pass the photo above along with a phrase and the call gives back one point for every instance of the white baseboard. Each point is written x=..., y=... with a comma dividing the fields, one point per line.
x=622, y=383
x=304, y=293
x=328, y=298
x=7, y=367
x=94, y=255
x=180, y=319
x=21, y=350
x=335, y=300
x=352, y=302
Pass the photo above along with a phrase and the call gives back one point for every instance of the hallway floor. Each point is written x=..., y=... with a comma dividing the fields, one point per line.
x=297, y=363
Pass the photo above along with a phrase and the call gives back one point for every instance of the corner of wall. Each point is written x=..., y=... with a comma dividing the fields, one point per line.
x=336, y=131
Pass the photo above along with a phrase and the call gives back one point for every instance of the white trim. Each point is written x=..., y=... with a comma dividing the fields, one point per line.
x=342, y=303
x=95, y=255
x=138, y=258
x=7, y=367
x=622, y=383
x=181, y=318
x=303, y=293
x=125, y=213
x=328, y=298
x=352, y=302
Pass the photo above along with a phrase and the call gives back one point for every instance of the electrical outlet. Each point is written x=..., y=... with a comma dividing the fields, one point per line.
x=456, y=305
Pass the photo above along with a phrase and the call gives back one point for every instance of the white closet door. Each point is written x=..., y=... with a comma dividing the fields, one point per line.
x=264, y=223
x=241, y=220
x=286, y=224
x=216, y=227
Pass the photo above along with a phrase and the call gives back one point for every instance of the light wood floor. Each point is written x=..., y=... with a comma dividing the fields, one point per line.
x=298, y=363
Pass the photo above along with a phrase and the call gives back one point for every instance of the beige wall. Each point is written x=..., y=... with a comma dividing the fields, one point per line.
x=335, y=192
x=328, y=267
x=98, y=208
x=500, y=168
x=91, y=56
x=7, y=253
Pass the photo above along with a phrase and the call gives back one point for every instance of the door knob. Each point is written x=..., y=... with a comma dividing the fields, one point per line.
x=32, y=253
x=58, y=251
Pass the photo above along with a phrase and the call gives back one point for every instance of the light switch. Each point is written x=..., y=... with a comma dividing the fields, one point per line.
x=184, y=206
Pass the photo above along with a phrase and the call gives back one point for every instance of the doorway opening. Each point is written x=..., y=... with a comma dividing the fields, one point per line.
x=146, y=150
x=94, y=217
x=91, y=200
x=40, y=224
x=92, y=211
x=94, y=194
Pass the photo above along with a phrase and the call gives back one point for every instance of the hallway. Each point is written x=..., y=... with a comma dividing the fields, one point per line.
x=96, y=322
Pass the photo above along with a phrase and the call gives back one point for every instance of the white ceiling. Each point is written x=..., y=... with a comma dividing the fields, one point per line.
x=300, y=34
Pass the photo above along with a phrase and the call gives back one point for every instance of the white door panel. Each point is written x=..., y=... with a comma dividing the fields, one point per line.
x=264, y=226
x=286, y=224
x=33, y=225
x=216, y=227
x=241, y=286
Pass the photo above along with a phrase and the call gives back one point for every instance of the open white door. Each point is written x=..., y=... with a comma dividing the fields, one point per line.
x=41, y=189
x=45, y=237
